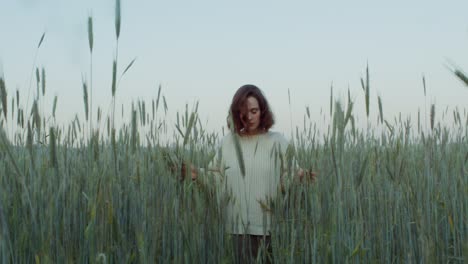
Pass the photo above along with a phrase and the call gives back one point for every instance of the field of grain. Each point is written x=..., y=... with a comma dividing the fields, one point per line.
x=394, y=192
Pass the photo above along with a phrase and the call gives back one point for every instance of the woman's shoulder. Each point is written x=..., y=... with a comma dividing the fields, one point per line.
x=226, y=139
x=277, y=137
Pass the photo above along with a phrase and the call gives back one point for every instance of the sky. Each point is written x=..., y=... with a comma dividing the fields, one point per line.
x=205, y=50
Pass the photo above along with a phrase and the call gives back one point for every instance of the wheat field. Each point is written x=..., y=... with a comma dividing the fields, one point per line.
x=91, y=192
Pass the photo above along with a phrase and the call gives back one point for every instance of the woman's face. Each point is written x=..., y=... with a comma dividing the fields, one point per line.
x=251, y=116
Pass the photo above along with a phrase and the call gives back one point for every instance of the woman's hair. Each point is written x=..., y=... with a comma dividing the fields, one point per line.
x=238, y=105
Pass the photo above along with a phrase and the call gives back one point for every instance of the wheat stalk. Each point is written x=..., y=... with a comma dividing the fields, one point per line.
x=38, y=80
x=432, y=116
x=53, y=148
x=380, y=109
x=91, y=44
x=331, y=99
x=3, y=95
x=54, y=107
x=85, y=99
x=43, y=81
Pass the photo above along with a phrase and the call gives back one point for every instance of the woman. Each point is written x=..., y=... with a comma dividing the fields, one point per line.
x=253, y=176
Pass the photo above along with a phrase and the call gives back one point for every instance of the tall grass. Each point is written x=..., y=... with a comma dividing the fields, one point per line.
x=390, y=194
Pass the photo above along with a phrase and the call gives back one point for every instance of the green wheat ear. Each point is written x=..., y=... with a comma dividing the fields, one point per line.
x=17, y=99
x=3, y=95
x=461, y=76
x=90, y=33
x=41, y=40
x=85, y=99
x=54, y=107
x=424, y=84
x=157, y=98
x=165, y=105
x=114, y=77
x=380, y=109
x=366, y=89
x=117, y=18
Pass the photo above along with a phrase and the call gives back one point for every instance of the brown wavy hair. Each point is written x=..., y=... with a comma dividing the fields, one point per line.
x=238, y=105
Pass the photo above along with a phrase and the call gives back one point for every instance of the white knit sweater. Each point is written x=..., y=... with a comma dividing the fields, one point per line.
x=262, y=156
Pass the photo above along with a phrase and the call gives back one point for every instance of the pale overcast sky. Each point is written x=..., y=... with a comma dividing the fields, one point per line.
x=205, y=50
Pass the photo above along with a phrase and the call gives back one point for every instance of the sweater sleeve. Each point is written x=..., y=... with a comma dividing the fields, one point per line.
x=214, y=171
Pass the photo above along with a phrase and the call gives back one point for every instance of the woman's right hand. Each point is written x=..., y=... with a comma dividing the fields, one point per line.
x=309, y=175
x=193, y=172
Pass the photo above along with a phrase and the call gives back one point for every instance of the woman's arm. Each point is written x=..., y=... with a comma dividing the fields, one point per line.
x=194, y=171
x=299, y=176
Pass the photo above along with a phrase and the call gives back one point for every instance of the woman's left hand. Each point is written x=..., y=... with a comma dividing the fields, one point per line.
x=309, y=175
